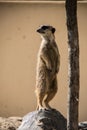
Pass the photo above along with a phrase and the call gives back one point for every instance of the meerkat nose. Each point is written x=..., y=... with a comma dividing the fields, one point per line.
x=38, y=30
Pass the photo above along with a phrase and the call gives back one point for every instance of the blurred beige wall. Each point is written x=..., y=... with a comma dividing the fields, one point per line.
x=19, y=44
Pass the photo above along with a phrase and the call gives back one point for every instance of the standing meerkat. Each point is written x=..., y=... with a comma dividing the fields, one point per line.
x=48, y=64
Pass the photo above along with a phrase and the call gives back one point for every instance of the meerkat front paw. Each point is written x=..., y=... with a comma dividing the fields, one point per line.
x=49, y=68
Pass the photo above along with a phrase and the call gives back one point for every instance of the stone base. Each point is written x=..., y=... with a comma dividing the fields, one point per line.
x=43, y=120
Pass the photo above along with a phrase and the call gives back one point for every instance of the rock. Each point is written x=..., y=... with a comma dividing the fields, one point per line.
x=83, y=125
x=43, y=120
x=11, y=123
x=38, y=120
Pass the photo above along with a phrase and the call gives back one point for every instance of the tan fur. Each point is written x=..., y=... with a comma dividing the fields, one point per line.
x=48, y=63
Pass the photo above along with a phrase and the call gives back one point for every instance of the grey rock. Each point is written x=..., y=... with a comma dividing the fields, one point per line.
x=44, y=120
x=83, y=125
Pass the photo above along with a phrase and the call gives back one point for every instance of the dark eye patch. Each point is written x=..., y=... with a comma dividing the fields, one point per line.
x=45, y=27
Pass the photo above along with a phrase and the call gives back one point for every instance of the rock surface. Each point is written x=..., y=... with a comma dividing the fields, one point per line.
x=43, y=120
x=11, y=123
x=83, y=125
x=38, y=120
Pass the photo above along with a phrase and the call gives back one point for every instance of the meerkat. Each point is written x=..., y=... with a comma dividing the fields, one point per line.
x=48, y=64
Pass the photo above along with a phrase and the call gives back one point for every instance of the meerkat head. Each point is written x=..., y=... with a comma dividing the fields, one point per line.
x=46, y=31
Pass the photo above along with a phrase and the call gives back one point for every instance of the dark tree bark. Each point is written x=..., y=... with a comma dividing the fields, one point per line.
x=73, y=54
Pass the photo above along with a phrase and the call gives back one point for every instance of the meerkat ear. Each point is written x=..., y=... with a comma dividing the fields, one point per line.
x=53, y=30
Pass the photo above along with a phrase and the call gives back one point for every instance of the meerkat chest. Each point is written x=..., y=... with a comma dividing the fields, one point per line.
x=55, y=48
x=52, y=47
x=48, y=47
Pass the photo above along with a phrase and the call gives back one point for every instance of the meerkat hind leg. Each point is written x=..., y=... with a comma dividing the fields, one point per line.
x=39, y=101
x=49, y=97
x=51, y=93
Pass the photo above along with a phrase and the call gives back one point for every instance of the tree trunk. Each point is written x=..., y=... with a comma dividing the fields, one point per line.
x=73, y=54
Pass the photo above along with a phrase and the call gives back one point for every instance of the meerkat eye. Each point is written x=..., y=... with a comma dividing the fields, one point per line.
x=45, y=27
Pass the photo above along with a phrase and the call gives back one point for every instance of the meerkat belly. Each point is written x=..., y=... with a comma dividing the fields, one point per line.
x=44, y=77
x=40, y=75
x=54, y=59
